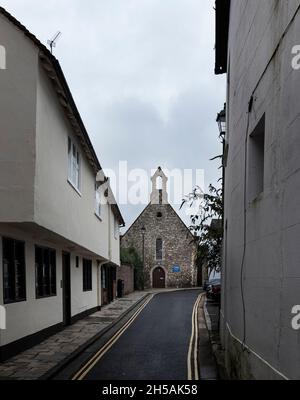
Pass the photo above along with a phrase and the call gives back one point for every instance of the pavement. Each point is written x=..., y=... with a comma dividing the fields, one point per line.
x=212, y=319
x=207, y=363
x=37, y=361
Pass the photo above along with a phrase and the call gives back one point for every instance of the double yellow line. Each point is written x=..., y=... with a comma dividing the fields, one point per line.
x=192, y=359
x=80, y=375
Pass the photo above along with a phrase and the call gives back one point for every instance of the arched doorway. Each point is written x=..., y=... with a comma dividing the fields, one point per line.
x=159, y=278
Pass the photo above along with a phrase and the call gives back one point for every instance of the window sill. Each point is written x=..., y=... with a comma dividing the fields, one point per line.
x=74, y=187
x=45, y=297
x=87, y=291
x=7, y=302
x=98, y=216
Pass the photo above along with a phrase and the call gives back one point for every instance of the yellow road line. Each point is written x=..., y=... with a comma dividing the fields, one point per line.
x=193, y=345
x=196, y=372
x=104, y=349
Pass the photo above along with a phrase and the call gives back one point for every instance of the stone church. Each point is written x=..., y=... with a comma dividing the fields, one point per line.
x=163, y=241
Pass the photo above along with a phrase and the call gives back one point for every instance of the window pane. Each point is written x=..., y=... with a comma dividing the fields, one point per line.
x=45, y=262
x=14, y=279
x=87, y=275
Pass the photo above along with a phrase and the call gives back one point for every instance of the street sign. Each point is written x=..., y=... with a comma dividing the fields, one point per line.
x=176, y=269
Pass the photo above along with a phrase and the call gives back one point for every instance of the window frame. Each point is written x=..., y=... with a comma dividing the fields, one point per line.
x=13, y=279
x=256, y=153
x=98, y=201
x=47, y=254
x=116, y=228
x=74, y=165
x=87, y=275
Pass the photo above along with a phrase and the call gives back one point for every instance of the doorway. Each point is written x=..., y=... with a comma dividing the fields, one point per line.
x=66, y=288
x=159, y=278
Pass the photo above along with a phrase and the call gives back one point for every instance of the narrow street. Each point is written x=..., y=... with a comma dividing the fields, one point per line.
x=155, y=346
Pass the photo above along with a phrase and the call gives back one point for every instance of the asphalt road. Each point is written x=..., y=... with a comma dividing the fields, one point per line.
x=155, y=346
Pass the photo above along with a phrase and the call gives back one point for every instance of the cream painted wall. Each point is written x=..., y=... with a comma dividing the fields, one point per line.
x=82, y=301
x=34, y=154
x=115, y=240
x=43, y=312
x=34, y=188
x=58, y=206
x=48, y=311
x=17, y=124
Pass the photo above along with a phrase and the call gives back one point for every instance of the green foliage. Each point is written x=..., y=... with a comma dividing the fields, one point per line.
x=130, y=256
x=207, y=226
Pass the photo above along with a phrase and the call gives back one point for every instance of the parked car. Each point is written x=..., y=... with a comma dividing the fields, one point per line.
x=213, y=290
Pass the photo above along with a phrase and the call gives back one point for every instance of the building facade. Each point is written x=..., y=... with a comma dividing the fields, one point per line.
x=59, y=222
x=162, y=241
x=260, y=272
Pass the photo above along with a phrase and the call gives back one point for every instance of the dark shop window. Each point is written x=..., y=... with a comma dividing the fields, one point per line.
x=14, y=274
x=87, y=275
x=45, y=272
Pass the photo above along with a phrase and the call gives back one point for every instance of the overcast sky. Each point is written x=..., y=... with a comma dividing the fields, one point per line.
x=142, y=75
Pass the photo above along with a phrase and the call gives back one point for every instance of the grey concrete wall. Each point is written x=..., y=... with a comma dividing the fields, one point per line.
x=271, y=274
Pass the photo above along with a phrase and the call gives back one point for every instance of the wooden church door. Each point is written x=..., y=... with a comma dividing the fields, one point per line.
x=159, y=278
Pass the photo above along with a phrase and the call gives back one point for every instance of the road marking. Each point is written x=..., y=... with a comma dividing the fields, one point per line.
x=104, y=349
x=192, y=362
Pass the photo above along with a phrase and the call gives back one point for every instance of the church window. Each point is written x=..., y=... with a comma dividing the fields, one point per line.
x=159, y=249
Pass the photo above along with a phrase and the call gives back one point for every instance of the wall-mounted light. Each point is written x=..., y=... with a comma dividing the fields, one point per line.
x=221, y=120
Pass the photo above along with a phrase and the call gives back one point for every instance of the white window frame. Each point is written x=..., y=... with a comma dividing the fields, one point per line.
x=116, y=228
x=98, y=201
x=74, y=164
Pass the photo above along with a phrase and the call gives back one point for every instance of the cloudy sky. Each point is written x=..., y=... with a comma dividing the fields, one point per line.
x=141, y=73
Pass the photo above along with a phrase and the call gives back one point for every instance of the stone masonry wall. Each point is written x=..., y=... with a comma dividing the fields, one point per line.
x=126, y=274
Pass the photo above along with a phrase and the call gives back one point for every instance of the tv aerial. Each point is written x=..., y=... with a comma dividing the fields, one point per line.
x=52, y=42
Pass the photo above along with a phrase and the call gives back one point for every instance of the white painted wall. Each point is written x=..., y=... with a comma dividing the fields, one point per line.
x=271, y=270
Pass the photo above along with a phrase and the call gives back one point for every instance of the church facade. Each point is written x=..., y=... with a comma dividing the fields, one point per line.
x=163, y=241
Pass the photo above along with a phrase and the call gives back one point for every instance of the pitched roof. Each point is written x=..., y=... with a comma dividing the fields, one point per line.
x=60, y=85
x=153, y=205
